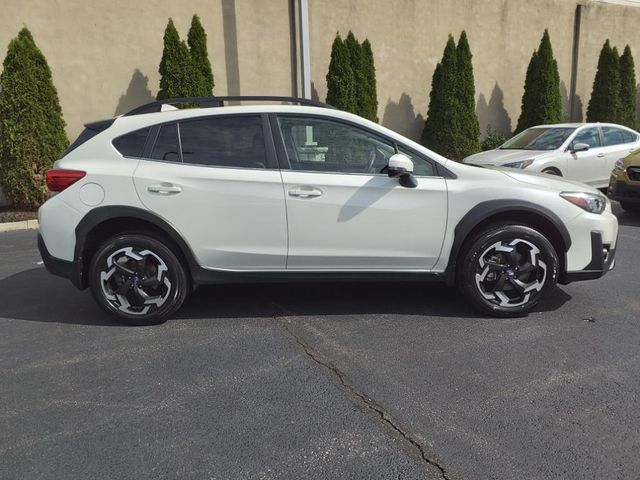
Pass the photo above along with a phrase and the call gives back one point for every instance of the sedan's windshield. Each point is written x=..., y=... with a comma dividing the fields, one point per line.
x=539, y=138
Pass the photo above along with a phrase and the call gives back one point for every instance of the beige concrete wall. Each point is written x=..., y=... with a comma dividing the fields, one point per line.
x=105, y=55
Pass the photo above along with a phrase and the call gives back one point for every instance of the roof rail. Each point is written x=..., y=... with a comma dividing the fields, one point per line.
x=208, y=102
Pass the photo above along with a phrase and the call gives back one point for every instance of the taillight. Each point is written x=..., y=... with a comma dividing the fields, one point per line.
x=58, y=180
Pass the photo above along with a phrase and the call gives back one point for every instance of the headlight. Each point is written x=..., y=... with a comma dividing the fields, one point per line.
x=520, y=164
x=591, y=202
x=619, y=166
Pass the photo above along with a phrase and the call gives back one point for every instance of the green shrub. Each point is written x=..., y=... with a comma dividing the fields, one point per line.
x=197, y=41
x=32, y=132
x=541, y=100
x=468, y=126
x=369, y=94
x=178, y=74
x=604, y=104
x=628, y=115
x=341, y=82
x=493, y=139
x=441, y=125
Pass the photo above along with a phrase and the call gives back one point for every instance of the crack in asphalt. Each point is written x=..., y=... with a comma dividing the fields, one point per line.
x=368, y=402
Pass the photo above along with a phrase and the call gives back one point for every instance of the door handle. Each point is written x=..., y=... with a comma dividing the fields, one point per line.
x=600, y=155
x=305, y=192
x=164, y=189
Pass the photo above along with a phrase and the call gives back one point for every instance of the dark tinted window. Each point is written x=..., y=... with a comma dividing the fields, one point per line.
x=166, y=147
x=629, y=137
x=321, y=145
x=614, y=136
x=421, y=166
x=224, y=141
x=132, y=144
x=590, y=136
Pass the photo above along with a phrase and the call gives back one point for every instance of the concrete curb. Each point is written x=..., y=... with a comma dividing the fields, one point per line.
x=23, y=225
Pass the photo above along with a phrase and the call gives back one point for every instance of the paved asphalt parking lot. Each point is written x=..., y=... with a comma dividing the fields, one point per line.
x=320, y=381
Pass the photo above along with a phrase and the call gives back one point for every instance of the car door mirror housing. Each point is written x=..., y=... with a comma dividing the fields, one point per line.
x=579, y=147
x=401, y=166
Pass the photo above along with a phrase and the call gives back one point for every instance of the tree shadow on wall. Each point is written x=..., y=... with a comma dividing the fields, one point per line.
x=401, y=117
x=493, y=114
x=571, y=114
x=137, y=93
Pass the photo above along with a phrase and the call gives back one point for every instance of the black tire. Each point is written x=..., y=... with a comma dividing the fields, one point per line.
x=137, y=279
x=630, y=207
x=552, y=171
x=515, y=260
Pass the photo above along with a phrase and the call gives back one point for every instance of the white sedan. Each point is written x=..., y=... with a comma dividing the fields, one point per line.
x=585, y=152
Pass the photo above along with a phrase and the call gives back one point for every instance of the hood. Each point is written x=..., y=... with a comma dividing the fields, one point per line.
x=500, y=157
x=545, y=180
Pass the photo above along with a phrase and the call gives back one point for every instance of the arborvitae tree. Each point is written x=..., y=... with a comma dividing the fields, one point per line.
x=369, y=89
x=604, y=105
x=628, y=115
x=541, y=101
x=197, y=41
x=356, y=59
x=469, y=127
x=441, y=126
x=178, y=75
x=528, y=105
x=32, y=132
x=341, y=83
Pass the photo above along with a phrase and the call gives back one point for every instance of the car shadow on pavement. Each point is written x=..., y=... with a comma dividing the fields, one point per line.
x=626, y=218
x=35, y=295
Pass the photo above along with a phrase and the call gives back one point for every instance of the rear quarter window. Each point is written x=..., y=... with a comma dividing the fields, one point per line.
x=132, y=144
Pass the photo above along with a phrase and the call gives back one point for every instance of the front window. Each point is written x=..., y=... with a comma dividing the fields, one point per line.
x=323, y=145
x=539, y=138
x=590, y=136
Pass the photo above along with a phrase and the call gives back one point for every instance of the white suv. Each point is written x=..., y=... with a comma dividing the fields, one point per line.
x=160, y=200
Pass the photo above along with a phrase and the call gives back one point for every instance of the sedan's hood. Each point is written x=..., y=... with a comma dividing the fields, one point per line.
x=500, y=157
x=545, y=180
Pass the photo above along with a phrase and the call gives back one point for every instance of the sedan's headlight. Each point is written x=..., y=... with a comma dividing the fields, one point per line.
x=619, y=166
x=591, y=202
x=520, y=164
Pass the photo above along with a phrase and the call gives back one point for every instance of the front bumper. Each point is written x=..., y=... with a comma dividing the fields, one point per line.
x=602, y=260
x=622, y=191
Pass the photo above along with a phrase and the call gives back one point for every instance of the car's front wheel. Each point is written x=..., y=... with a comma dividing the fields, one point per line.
x=506, y=270
x=137, y=279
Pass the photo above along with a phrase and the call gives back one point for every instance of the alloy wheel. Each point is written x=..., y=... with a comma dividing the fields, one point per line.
x=510, y=273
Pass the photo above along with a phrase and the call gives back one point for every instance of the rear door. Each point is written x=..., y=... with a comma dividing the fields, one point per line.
x=586, y=166
x=344, y=212
x=215, y=179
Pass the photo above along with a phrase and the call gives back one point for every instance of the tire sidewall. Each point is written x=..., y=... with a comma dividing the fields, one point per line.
x=176, y=273
x=466, y=277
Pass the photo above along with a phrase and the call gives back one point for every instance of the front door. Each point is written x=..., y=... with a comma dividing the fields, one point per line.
x=586, y=167
x=345, y=213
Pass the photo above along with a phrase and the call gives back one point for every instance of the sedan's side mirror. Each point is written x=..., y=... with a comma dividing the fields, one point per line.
x=579, y=147
x=401, y=166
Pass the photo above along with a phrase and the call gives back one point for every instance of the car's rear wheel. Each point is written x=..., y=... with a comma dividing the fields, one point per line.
x=506, y=270
x=137, y=279
x=630, y=207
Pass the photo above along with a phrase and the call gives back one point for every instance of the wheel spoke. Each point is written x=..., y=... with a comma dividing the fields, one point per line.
x=519, y=288
x=122, y=269
x=527, y=268
x=150, y=282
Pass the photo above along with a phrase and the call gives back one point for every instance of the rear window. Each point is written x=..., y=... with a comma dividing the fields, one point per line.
x=132, y=144
x=224, y=141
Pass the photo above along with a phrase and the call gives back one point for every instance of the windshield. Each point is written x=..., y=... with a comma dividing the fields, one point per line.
x=539, y=138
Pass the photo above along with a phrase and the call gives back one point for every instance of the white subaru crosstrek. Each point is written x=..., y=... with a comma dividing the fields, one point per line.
x=160, y=200
x=585, y=152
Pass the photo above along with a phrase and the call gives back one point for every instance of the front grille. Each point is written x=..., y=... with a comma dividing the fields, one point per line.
x=634, y=173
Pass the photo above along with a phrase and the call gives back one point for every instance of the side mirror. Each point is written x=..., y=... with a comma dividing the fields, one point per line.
x=401, y=166
x=579, y=147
